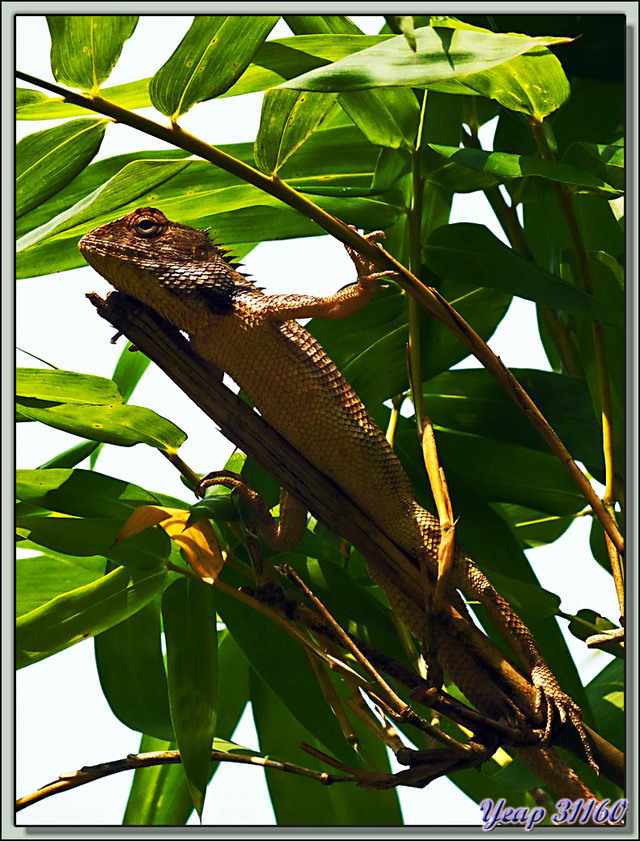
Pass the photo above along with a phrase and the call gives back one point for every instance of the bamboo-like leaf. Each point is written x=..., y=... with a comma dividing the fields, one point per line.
x=160, y=795
x=48, y=160
x=132, y=672
x=85, y=48
x=85, y=612
x=288, y=119
x=466, y=250
x=471, y=401
x=210, y=58
x=41, y=578
x=81, y=493
x=338, y=156
x=35, y=105
x=507, y=166
x=443, y=54
x=65, y=386
x=189, y=618
x=110, y=423
x=386, y=117
x=87, y=536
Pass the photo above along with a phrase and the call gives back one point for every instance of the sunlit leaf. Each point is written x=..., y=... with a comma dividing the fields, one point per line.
x=48, y=160
x=85, y=48
x=211, y=56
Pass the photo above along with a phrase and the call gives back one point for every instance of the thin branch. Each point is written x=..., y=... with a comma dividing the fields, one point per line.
x=89, y=773
x=426, y=296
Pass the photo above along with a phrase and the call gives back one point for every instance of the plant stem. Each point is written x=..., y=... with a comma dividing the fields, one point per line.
x=168, y=757
x=415, y=260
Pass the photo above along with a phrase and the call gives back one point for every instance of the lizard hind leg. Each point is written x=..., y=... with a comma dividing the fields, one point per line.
x=282, y=534
x=474, y=583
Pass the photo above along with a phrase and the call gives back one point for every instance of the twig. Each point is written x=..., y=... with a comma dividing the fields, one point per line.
x=89, y=773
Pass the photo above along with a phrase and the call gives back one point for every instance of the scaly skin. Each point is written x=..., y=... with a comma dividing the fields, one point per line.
x=181, y=274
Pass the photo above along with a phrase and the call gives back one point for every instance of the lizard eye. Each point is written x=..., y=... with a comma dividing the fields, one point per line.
x=149, y=227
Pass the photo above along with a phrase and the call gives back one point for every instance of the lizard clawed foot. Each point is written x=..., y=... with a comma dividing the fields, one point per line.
x=367, y=275
x=548, y=690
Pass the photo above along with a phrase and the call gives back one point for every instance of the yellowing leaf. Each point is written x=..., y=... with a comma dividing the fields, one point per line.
x=198, y=542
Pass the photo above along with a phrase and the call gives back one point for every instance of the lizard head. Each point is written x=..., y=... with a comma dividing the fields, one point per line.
x=162, y=263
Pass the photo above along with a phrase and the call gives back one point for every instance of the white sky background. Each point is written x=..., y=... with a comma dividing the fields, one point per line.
x=63, y=720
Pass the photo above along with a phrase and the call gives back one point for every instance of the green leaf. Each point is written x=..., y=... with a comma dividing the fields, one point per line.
x=442, y=55
x=81, y=493
x=65, y=386
x=534, y=528
x=46, y=161
x=95, y=536
x=210, y=58
x=606, y=694
x=507, y=166
x=132, y=673
x=288, y=118
x=502, y=472
x=85, y=612
x=41, y=578
x=160, y=795
x=134, y=181
x=467, y=250
x=189, y=618
x=387, y=117
x=472, y=401
x=94, y=176
x=72, y=456
x=112, y=424
x=266, y=647
x=129, y=370
x=321, y=25
x=534, y=84
x=604, y=161
x=86, y=48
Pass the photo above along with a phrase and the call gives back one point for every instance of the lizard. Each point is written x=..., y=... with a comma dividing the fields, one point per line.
x=193, y=283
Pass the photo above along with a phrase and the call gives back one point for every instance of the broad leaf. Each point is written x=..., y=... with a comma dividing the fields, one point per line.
x=189, y=619
x=160, y=795
x=466, y=250
x=266, y=647
x=210, y=58
x=46, y=161
x=442, y=54
x=132, y=672
x=85, y=612
x=288, y=119
x=112, y=424
x=82, y=493
x=507, y=166
x=41, y=578
x=85, y=48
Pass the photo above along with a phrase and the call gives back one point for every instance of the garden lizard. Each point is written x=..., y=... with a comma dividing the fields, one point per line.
x=191, y=282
